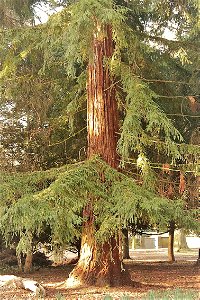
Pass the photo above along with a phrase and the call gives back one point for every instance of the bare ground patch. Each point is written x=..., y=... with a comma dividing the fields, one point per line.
x=151, y=274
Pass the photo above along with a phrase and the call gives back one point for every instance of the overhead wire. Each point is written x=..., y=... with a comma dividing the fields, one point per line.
x=69, y=137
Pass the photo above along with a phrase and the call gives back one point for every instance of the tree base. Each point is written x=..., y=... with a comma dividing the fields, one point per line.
x=90, y=279
x=172, y=261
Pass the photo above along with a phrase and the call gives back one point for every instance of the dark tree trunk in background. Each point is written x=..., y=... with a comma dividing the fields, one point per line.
x=125, y=244
x=99, y=263
x=171, y=257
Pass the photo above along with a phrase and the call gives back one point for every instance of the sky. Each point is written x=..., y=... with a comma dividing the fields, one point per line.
x=44, y=11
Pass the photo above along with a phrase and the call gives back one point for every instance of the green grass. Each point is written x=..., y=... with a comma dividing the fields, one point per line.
x=60, y=297
x=107, y=297
x=175, y=294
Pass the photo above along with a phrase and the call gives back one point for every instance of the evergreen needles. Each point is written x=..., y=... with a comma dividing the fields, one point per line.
x=61, y=195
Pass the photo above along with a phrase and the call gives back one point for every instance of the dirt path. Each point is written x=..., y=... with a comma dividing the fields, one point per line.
x=148, y=268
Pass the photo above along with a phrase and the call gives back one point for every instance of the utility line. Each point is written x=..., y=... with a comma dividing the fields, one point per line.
x=164, y=81
x=185, y=145
x=58, y=143
x=158, y=180
x=161, y=164
x=178, y=96
x=161, y=168
x=182, y=115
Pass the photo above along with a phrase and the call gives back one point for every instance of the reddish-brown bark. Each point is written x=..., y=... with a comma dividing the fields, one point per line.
x=99, y=263
x=102, y=112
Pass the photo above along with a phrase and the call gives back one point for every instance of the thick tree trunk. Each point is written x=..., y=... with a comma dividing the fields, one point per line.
x=99, y=263
x=102, y=106
x=125, y=244
x=171, y=257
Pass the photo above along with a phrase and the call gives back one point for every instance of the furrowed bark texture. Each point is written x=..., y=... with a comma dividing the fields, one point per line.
x=102, y=106
x=99, y=264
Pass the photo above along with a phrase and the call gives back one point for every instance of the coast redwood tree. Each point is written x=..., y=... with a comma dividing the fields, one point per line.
x=99, y=39
x=103, y=39
x=99, y=262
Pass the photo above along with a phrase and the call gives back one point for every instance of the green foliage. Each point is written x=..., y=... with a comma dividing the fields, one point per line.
x=17, y=185
x=25, y=243
x=38, y=100
x=92, y=15
x=59, y=204
x=144, y=118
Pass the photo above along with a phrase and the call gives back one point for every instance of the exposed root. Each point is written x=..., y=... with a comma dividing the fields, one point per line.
x=73, y=282
x=22, y=283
